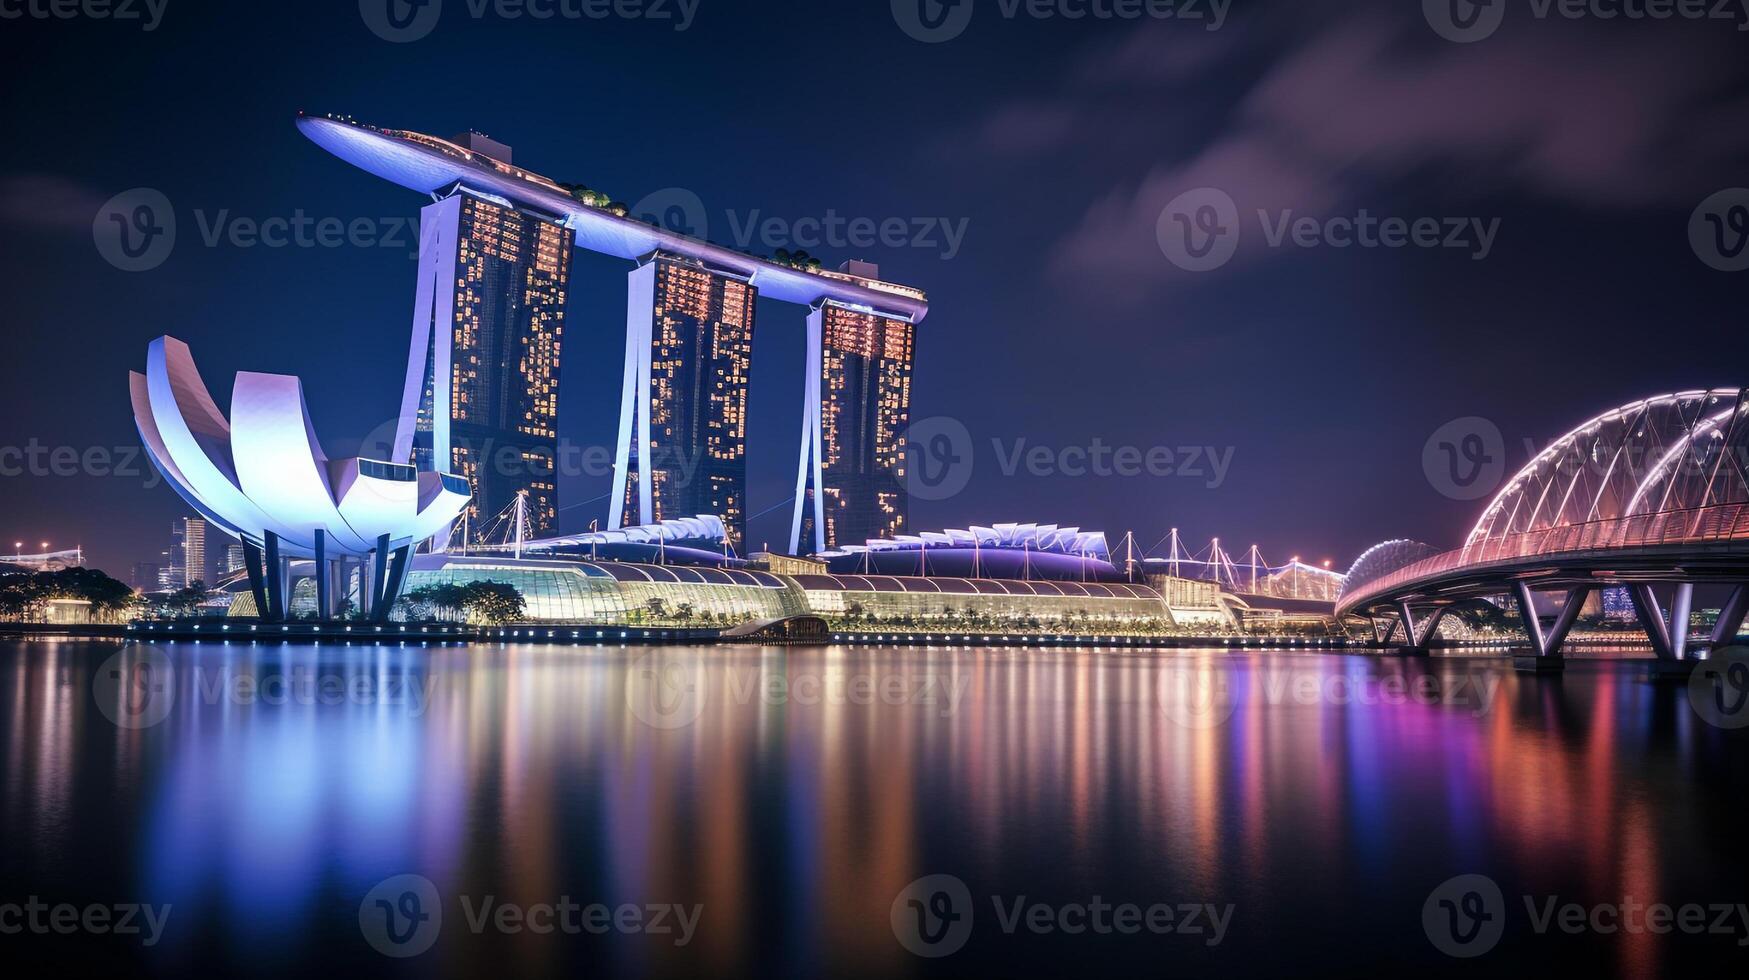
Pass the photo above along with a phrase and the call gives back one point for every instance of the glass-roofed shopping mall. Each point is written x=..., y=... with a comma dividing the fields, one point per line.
x=578, y=592
x=616, y=592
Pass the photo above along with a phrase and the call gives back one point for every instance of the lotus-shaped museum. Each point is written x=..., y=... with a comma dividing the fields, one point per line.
x=261, y=476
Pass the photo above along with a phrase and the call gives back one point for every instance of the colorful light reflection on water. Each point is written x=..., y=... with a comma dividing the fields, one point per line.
x=794, y=794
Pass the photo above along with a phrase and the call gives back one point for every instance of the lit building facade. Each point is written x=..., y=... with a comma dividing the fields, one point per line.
x=683, y=411
x=261, y=477
x=482, y=394
x=850, y=487
x=615, y=593
x=194, y=564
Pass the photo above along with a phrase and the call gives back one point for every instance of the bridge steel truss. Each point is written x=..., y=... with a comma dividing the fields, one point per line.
x=1653, y=495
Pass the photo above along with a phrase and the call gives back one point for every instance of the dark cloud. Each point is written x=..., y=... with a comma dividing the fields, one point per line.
x=1581, y=115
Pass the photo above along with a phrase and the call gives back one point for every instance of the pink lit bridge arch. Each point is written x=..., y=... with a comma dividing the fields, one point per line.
x=1653, y=496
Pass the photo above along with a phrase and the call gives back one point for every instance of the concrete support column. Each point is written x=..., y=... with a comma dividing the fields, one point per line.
x=1533, y=625
x=1652, y=619
x=324, y=598
x=275, y=573
x=1731, y=617
x=1681, y=611
x=1406, y=616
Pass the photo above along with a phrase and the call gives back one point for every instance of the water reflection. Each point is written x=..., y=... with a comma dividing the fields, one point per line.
x=794, y=793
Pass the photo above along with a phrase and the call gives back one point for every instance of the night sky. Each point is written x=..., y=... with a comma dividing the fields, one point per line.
x=1055, y=143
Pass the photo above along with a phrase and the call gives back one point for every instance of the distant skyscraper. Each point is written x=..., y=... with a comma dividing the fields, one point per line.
x=683, y=410
x=234, y=559
x=851, y=485
x=194, y=568
x=170, y=569
x=488, y=323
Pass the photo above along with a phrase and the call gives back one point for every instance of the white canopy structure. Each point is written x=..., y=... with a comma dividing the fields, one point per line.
x=261, y=476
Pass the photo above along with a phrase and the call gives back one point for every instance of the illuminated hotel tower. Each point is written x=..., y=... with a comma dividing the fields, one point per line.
x=851, y=485
x=487, y=327
x=683, y=410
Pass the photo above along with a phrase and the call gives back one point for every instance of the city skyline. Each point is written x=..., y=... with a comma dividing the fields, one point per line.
x=1439, y=337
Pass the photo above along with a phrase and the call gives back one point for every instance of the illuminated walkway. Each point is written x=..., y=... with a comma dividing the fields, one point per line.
x=1651, y=496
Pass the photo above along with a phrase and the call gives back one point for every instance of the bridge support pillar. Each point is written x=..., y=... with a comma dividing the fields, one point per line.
x=1406, y=616
x=1681, y=612
x=1731, y=617
x=1430, y=628
x=1381, y=630
x=1547, y=645
x=1652, y=619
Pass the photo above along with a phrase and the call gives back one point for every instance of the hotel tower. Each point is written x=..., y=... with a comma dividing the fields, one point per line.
x=483, y=376
x=683, y=409
x=857, y=405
